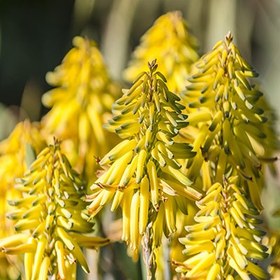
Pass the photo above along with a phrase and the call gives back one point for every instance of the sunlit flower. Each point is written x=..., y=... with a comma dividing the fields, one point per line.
x=83, y=95
x=225, y=241
x=175, y=49
x=230, y=128
x=142, y=173
x=16, y=153
x=176, y=248
x=50, y=229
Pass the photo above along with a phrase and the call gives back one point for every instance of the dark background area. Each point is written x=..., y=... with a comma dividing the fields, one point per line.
x=34, y=38
x=35, y=35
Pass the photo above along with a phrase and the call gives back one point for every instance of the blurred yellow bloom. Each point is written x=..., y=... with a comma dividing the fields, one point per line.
x=16, y=153
x=83, y=95
x=142, y=173
x=170, y=42
x=225, y=241
x=48, y=219
x=273, y=242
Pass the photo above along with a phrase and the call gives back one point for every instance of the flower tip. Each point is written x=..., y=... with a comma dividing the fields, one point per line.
x=176, y=16
x=229, y=36
x=77, y=41
x=153, y=65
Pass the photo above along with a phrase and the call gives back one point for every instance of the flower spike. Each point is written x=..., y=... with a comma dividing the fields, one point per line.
x=230, y=123
x=175, y=48
x=142, y=173
x=83, y=96
x=230, y=129
x=48, y=219
x=225, y=241
x=18, y=150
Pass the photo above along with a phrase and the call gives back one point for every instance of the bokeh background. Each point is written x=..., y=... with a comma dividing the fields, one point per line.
x=36, y=34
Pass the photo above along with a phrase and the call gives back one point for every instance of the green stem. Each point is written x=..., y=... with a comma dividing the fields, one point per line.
x=148, y=254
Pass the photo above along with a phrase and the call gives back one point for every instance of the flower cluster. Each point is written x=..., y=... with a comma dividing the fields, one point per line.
x=142, y=173
x=230, y=131
x=194, y=138
x=16, y=153
x=175, y=49
x=83, y=95
x=48, y=219
x=232, y=137
x=225, y=241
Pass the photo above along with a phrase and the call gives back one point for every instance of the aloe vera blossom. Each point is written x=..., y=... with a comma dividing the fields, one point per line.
x=233, y=136
x=16, y=154
x=48, y=222
x=170, y=41
x=142, y=173
x=82, y=97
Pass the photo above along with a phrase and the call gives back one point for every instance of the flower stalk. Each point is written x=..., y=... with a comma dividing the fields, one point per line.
x=142, y=174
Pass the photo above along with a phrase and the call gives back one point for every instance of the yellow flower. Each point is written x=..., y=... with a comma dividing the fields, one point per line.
x=176, y=248
x=231, y=130
x=143, y=173
x=229, y=127
x=225, y=241
x=83, y=95
x=48, y=219
x=170, y=42
x=16, y=153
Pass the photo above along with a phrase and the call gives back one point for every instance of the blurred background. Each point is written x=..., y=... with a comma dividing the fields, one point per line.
x=35, y=35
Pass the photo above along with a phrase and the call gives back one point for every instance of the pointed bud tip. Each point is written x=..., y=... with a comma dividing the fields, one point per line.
x=229, y=37
x=153, y=65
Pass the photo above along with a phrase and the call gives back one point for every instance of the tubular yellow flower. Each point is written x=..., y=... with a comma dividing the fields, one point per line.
x=16, y=153
x=83, y=95
x=143, y=174
x=225, y=242
x=48, y=219
x=176, y=247
x=170, y=42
